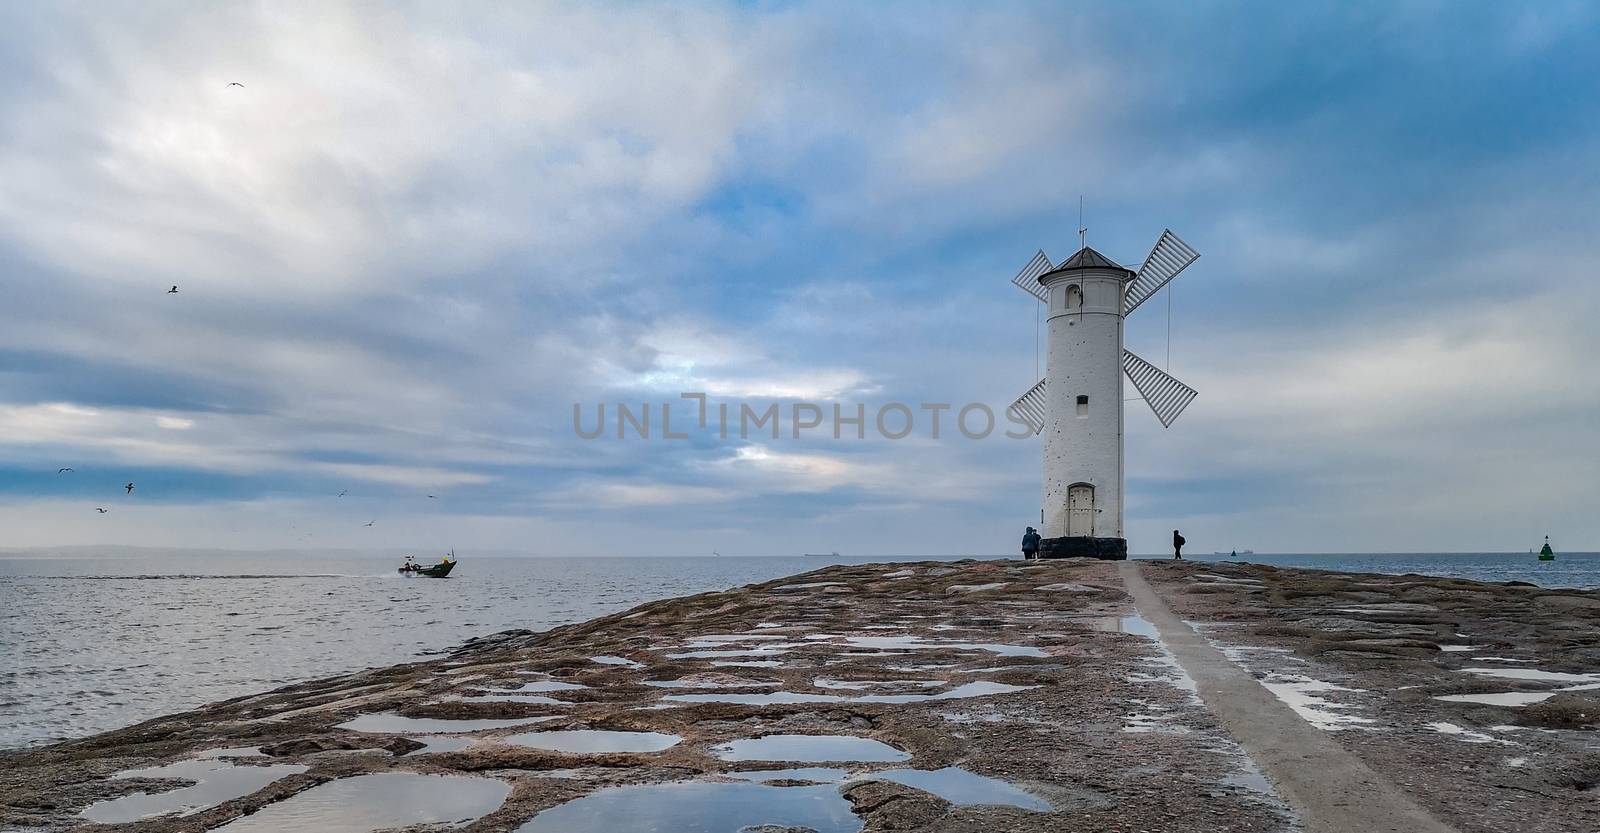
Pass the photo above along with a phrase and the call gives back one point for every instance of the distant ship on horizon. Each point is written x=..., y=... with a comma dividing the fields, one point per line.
x=821, y=555
x=1236, y=552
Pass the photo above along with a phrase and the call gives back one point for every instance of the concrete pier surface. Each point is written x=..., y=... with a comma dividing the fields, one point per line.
x=970, y=696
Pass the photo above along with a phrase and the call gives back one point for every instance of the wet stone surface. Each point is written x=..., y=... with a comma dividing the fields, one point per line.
x=1030, y=697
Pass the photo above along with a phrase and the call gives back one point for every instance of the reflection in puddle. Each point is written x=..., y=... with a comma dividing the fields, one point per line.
x=714, y=639
x=982, y=688
x=763, y=699
x=820, y=774
x=753, y=651
x=1252, y=779
x=585, y=741
x=396, y=724
x=1300, y=693
x=1135, y=624
x=230, y=752
x=539, y=687
x=441, y=744
x=377, y=802
x=697, y=807
x=859, y=685
x=1532, y=674
x=626, y=663
x=963, y=788
x=1505, y=698
x=535, y=699
x=810, y=748
x=710, y=682
x=216, y=782
x=917, y=643
x=1461, y=732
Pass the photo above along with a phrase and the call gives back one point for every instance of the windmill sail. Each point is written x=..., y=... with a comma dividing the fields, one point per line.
x=1165, y=395
x=1029, y=408
x=1028, y=279
x=1169, y=257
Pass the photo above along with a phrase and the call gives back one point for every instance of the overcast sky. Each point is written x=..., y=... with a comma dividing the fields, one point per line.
x=417, y=235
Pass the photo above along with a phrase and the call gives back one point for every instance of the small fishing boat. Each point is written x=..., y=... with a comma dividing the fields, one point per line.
x=1547, y=554
x=440, y=570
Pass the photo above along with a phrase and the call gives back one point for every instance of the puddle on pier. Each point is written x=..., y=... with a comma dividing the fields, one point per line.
x=391, y=723
x=692, y=682
x=230, y=752
x=820, y=774
x=1135, y=624
x=1300, y=693
x=982, y=688
x=441, y=744
x=590, y=741
x=859, y=685
x=757, y=663
x=917, y=643
x=752, y=651
x=1461, y=649
x=718, y=639
x=1461, y=732
x=963, y=788
x=810, y=748
x=1533, y=674
x=1514, y=699
x=974, y=588
x=377, y=802
x=539, y=687
x=1251, y=779
x=216, y=782
x=535, y=699
x=699, y=807
x=608, y=660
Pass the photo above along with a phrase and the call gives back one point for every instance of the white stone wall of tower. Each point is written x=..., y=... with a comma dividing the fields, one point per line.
x=1084, y=359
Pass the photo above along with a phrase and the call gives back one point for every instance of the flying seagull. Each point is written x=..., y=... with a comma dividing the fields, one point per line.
x=129, y=487
x=102, y=510
x=63, y=470
x=371, y=522
x=173, y=290
x=342, y=491
x=235, y=84
x=432, y=496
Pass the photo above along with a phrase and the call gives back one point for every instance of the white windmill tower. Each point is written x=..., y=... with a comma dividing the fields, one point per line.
x=1078, y=403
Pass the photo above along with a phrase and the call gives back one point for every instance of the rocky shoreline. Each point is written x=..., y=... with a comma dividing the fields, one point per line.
x=937, y=696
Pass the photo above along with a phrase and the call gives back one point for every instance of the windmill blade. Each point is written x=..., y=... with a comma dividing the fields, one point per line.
x=1028, y=279
x=1165, y=395
x=1029, y=408
x=1169, y=257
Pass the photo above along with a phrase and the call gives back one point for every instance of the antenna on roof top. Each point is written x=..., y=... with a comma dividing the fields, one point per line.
x=1083, y=230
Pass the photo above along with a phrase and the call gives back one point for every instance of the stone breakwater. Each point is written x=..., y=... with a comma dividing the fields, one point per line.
x=969, y=696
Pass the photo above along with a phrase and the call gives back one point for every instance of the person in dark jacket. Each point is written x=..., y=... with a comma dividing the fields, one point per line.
x=1177, y=545
x=1030, y=544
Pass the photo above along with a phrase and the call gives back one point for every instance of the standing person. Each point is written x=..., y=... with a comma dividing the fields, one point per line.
x=1177, y=545
x=1030, y=544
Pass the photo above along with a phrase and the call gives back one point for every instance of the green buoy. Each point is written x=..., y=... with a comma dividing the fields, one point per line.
x=1547, y=554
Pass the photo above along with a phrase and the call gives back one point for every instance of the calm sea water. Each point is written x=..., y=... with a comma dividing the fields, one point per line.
x=90, y=644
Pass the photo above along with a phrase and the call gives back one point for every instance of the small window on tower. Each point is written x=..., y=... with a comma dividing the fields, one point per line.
x=1074, y=297
x=1083, y=406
